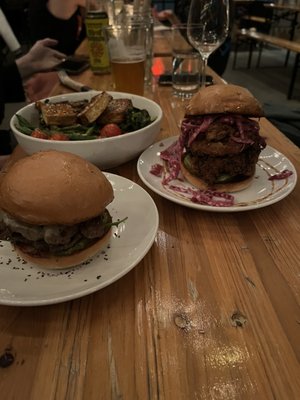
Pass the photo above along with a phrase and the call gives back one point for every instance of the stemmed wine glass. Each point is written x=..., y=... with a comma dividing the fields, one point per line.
x=207, y=28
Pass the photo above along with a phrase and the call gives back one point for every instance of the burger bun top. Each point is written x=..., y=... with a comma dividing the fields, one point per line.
x=53, y=187
x=224, y=99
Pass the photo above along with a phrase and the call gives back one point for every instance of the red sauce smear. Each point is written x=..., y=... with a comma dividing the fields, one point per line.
x=209, y=197
x=171, y=156
x=157, y=170
x=281, y=175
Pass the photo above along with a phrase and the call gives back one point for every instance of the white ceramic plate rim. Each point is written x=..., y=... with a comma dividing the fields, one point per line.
x=256, y=196
x=23, y=284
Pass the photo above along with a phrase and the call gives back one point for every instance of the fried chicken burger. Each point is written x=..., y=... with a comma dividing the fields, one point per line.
x=220, y=139
x=53, y=209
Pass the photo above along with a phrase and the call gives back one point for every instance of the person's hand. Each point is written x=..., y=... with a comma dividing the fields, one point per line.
x=39, y=85
x=163, y=15
x=41, y=57
x=166, y=15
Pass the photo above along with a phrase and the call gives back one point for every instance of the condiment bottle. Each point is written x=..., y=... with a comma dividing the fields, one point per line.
x=96, y=20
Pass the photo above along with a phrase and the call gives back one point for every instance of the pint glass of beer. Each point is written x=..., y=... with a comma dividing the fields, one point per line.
x=127, y=51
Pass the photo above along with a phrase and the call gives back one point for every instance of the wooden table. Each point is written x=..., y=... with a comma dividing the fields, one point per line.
x=285, y=12
x=211, y=312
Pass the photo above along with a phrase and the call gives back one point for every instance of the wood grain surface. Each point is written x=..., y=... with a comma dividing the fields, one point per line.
x=211, y=312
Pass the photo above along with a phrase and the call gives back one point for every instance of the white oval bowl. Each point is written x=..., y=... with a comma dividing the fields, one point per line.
x=105, y=153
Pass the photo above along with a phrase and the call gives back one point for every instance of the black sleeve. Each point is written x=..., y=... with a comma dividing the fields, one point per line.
x=11, y=86
x=69, y=33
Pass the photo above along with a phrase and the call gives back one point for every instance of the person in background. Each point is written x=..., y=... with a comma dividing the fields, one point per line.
x=60, y=20
x=14, y=75
x=15, y=12
x=166, y=17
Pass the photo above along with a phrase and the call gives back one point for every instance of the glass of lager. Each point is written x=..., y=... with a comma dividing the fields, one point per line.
x=127, y=52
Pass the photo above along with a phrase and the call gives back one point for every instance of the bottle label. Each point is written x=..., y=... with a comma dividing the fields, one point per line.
x=98, y=52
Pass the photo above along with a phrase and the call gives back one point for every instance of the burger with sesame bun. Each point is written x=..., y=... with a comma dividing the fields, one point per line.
x=53, y=209
x=220, y=141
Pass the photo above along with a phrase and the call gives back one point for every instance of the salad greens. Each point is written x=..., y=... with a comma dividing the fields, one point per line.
x=134, y=119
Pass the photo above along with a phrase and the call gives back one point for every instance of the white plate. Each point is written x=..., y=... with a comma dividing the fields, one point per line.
x=261, y=193
x=23, y=284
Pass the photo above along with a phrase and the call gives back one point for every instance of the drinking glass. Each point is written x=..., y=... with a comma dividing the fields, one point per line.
x=185, y=63
x=134, y=15
x=207, y=28
x=118, y=6
x=126, y=45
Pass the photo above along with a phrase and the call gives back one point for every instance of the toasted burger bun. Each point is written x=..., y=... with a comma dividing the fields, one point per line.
x=52, y=187
x=67, y=261
x=220, y=99
x=229, y=187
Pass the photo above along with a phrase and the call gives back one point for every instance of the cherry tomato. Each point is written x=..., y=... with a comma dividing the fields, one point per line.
x=110, y=130
x=37, y=133
x=59, y=136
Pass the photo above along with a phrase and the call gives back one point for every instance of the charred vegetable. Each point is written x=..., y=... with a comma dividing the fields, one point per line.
x=135, y=119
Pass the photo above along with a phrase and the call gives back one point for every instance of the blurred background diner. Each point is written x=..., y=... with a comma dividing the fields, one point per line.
x=261, y=51
x=61, y=20
x=20, y=60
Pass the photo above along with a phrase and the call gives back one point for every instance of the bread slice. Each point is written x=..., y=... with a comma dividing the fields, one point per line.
x=115, y=111
x=59, y=114
x=94, y=108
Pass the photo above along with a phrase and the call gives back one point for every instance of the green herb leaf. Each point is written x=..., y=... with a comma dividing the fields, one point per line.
x=116, y=223
x=135, y=119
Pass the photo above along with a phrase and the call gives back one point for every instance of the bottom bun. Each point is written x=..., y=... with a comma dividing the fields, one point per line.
x=220, y=187
x=67, y=261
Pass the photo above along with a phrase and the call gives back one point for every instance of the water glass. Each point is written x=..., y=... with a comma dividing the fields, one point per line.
x=186, y=64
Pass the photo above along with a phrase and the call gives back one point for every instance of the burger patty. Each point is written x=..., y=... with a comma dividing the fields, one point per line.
x=213, y=169
x=225, y=148
x=219, y=140
x=45, y=240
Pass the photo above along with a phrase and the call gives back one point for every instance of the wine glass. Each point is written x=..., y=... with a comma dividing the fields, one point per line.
x=207, y=28
x=118, y=6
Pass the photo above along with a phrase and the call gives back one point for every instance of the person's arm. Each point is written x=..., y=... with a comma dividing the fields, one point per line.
x=64, y=9
x=11, y=84
x=166, y=15
x=41, y=57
